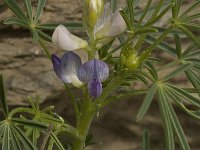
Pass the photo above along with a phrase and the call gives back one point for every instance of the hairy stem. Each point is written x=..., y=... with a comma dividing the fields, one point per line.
x=48, y=54
x=73, y=101
x=84, y=125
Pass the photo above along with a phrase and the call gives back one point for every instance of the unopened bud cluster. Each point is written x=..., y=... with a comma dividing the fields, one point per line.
x=93, y=9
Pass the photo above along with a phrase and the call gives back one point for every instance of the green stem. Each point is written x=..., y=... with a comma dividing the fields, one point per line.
x=84, y=125
x=73, y=101
x=45, y=48
x=91, y=54
x=90, y=109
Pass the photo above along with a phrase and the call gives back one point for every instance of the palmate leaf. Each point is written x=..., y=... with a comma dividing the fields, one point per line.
x=178, y=100
x=176, y=125
x=176, y=8
x=190, y=18
x=152, y=70
x=192, y=47
x=13, y=137
x=6, y=137
x=191, y=8
x=16, y=21
x=157, y=9
x=35, y=35
x=29, y=9
x=141, y=77
x=44, y=35
x=192, y=54
x=193, y=37
x=2, y=125
x=145, y=12
x=134, y=4
x=146, y=103
x=39, y=10
x=157, y=18
x=147, y=52
x=193, y=27
x=14, y=140
x=56, y=141
x=151, y=9
x=30, y=123
x=194, y=79
x=130, y=4
x=178, y=45
x=162, y=45
x=12, y=4
x=167, y=122
x=178, y=70
x=21, y=136
x=185, y=95
x=126, y=19
x=145, y=30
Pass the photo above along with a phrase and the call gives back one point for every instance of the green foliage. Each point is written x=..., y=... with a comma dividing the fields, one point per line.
x=3, y=97
x=146, y=140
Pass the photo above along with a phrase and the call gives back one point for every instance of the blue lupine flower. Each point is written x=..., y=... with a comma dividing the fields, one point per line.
x=93, y=73
x=67, y=67
x=70, y=70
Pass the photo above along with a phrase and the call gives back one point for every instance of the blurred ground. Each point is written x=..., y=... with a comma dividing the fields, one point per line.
x=27, y=71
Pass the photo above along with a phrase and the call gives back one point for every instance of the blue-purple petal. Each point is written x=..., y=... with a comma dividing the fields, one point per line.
x=70, y=63
x=67, y=67
x=93, y=69
x=95, y=88
x=56, y=65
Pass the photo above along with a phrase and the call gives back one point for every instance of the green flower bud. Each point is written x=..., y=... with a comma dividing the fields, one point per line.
x=92, y=11
x=132, y=61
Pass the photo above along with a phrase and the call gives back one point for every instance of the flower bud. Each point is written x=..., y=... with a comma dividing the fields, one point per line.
x=132, y=61
x=92, y=11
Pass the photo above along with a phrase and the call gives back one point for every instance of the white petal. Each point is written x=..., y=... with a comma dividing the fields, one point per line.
x=71, y=78
x=64, y=40
x=116, y=25
x=106, y=17
x=65, y=78
x=75, y=81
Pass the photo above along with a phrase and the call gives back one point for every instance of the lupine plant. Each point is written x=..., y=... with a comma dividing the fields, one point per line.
x=121, y=44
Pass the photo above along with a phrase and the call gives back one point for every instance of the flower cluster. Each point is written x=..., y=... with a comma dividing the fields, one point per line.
x=71, y=70
x=105, y=26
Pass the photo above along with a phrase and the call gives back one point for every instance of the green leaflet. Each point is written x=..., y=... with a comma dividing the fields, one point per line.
x=39, y=10
x=146, y=103
x=3, y=97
